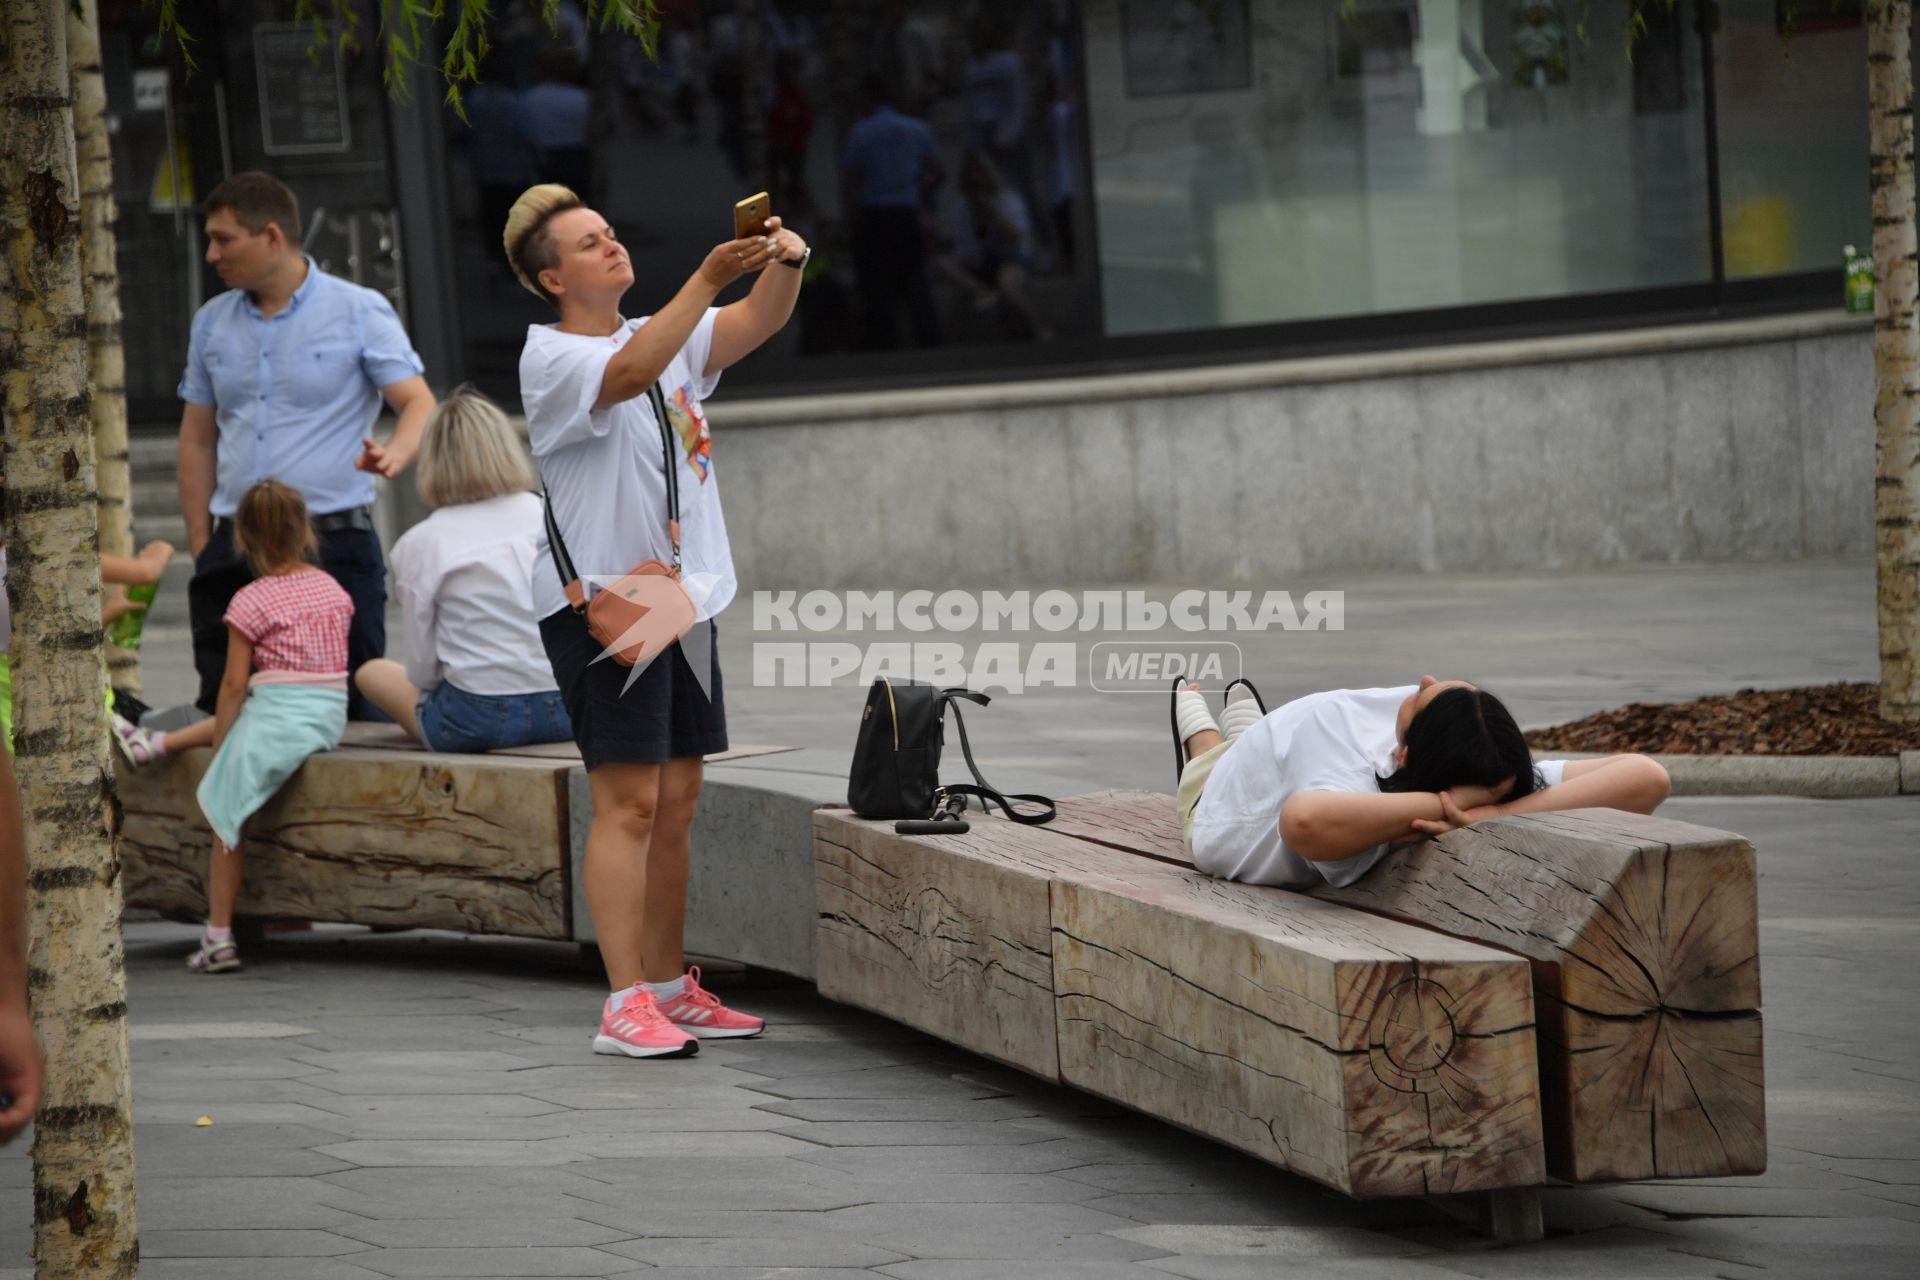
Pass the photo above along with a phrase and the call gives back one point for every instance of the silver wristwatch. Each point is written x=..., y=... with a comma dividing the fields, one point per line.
x=799, y=263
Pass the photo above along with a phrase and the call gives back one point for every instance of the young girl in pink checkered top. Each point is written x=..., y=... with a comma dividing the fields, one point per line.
x=284, y=694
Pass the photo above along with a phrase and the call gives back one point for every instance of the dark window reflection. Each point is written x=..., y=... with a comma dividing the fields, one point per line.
x=930, y=152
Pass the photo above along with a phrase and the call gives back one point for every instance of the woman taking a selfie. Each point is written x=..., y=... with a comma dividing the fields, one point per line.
x=587, y=383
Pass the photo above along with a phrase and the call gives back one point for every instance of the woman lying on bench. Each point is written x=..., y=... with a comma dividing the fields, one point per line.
x=1319, y=790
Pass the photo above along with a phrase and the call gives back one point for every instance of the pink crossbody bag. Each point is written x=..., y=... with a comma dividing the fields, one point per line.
x=637, y=617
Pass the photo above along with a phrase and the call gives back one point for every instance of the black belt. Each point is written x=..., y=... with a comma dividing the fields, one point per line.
x=332, y=522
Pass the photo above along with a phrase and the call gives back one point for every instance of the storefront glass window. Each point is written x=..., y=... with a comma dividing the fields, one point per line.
x=994, y=187
x=1793, y=133
x=929, y=152
x=262, y=98
x=1272, y=160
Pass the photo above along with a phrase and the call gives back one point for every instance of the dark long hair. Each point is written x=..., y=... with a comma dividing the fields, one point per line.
x=1464, y=737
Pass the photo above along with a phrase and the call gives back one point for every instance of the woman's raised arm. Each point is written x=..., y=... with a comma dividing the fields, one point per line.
x=639, y=364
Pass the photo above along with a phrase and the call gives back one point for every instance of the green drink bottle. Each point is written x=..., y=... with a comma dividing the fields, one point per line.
x=126, y=628
x=1859, y=267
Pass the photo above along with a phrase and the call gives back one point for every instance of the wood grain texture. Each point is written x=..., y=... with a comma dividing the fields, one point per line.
x=1643, y=933
x=950, y=934
x=1378, y=1058
x=1374, y=1056
x=473, y=843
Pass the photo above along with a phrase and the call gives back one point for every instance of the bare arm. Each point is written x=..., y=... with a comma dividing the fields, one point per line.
x=742, y=326
x=199, y=439
x=19, y=1053
x=233, y=684
x=1326, y=826
x=639, y=364
x=412, y=399
x=1631, y=782
x=147, y=567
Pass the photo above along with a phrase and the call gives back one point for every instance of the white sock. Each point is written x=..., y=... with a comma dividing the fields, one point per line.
x=613, y=1001
x=667, y=990
x=1242, y=713
x=1191, y=715
x=219, y=935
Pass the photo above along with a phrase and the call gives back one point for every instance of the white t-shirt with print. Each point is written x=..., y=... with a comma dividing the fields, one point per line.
x=1341, y=740
x=604, y=468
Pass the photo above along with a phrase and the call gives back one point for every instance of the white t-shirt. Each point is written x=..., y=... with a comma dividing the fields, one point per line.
x=464, y=576
x=1341, y=740
x=604, y=468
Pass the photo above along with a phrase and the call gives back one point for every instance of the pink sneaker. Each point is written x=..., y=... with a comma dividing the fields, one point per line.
x=698, y=1012
x=636, y=1027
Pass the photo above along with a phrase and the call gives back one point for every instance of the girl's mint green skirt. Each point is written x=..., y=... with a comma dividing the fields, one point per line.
x=281, y=725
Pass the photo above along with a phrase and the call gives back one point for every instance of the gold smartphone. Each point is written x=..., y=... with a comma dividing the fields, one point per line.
x=750, y=216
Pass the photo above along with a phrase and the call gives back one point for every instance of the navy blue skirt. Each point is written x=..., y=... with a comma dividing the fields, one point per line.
x=664, y=716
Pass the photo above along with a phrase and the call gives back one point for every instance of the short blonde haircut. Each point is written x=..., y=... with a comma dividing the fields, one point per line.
x=469, y=452
x=529, y=248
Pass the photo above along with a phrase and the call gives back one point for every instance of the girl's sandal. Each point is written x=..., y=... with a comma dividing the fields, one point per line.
x=214, y=957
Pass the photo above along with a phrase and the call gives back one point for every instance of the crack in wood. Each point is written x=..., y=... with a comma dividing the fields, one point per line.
x=1276, y=1023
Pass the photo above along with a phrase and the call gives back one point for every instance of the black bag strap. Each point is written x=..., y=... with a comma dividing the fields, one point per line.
x=985, y=791
x=673, y=470
x=563, y=561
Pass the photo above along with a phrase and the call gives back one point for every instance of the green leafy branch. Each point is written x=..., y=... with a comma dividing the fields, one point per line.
x=405, y=26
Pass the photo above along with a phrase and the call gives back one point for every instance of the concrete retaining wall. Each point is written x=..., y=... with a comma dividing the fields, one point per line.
x=1747, y=440
x=751, y=896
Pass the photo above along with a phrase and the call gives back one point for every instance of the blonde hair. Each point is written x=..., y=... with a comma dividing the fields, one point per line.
x=469, y=452
x=529, y=248
x=271, y=522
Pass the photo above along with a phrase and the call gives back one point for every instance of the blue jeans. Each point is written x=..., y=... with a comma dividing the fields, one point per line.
x=451, y=719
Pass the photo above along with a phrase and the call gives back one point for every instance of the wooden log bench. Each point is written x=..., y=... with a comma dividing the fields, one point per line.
x=377, y=835
x=378, y=832
x=1377, y=1057
x=1643, y=938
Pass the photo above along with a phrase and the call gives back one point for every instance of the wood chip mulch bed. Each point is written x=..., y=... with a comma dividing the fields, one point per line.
x=1830, y=720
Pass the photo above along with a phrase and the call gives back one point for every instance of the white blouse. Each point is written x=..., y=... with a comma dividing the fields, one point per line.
x=464, y=576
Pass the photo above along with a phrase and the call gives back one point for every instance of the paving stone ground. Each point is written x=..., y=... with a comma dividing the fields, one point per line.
x=427, y=1105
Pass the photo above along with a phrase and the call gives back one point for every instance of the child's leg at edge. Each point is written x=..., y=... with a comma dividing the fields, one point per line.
x=223, y=883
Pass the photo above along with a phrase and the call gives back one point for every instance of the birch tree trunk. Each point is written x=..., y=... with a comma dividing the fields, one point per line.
x=83, y=1195
x=106, y=357
x=1896, y=355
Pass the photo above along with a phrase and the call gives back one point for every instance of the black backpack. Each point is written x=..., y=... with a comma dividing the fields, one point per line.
x=896, y=759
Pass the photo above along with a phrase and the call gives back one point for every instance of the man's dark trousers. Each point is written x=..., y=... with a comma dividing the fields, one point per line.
x=352, y=556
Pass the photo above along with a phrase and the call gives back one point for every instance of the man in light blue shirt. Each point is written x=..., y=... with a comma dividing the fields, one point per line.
x=889, y=165
x=285, y=375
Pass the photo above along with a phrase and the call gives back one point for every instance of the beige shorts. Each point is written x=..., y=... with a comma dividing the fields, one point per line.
x=1193, y=781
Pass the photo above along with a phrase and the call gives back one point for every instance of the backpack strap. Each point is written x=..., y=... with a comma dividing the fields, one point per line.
x=984, y=791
